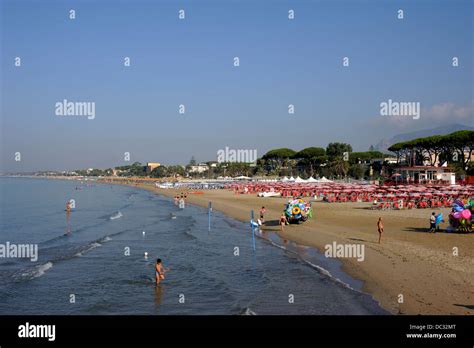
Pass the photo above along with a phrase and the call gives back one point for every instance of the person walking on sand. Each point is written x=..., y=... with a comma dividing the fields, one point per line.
x=159, y=271
x=380, y=228
x=433, y=222
x=262, y=213
x=282, y=221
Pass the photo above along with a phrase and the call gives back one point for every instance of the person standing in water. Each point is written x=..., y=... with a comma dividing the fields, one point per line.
x=159, y=271
x=68, y=215
x=380, y=228
x=262, y=213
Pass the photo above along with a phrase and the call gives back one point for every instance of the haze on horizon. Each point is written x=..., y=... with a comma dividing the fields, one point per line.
x=190, y=61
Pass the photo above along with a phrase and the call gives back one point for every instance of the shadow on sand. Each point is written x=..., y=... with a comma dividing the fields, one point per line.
x=427, y=230
x=272, y=223
x=465, y=306
x=363, y=240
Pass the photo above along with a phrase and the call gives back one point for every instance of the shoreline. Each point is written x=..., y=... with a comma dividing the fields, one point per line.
x=401, y=265
x=410, y=262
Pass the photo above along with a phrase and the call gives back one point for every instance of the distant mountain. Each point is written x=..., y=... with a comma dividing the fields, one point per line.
x=384, y=144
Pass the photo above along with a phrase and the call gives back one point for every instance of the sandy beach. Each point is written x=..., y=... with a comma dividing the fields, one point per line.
x=410, y=262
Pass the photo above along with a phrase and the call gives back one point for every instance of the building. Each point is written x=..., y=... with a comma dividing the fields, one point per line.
x=424, y=175
x=198, y=168
x=151, y=165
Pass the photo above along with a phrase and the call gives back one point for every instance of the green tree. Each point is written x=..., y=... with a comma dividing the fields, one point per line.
x=357, y=171
x=278, y=158
x=337, y=150
x=159, y=172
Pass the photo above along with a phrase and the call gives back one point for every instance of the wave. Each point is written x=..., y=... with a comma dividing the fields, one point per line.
x=320, y=269
x=64, y=236
x=328, y=274
x=88, y=248
x=39, y=270
x=36, y=271
x=116, y=216
x=248, y=311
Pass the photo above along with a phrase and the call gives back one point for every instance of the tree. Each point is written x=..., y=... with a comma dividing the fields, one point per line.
x=455, y=147
x=338, y=167
x=310, y=152
x=278, y=158
x=337, y=150
x=357, y=171
x=356, y=157
x=310, y=157
x=175, y=171
x=159, y=172
x=462, y=141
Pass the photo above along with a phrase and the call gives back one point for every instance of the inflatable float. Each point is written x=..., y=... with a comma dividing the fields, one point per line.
x=298, y=211
x=460, y=218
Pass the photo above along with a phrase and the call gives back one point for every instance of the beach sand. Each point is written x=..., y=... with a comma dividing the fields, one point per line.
x=411, y=262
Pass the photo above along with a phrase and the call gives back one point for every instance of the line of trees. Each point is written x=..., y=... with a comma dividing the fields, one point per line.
x=455, y=149
x=337, y=160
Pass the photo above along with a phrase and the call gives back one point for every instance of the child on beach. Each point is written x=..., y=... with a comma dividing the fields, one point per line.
x=433, y=222
x=380, y=228
x=159, y=271
x=282, y=221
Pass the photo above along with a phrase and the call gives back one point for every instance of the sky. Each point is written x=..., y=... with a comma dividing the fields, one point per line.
x=191, y=62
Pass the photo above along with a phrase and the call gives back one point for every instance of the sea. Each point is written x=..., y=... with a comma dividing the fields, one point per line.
x=99, y=259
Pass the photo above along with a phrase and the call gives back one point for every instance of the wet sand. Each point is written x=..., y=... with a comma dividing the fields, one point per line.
x=410, y=262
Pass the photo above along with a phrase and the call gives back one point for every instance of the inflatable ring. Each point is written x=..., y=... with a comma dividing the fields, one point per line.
x=296, y=210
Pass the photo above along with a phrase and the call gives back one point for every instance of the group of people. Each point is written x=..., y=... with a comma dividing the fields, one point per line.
x=180, y=200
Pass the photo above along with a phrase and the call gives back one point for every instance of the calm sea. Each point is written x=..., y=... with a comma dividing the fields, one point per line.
x=84, y=268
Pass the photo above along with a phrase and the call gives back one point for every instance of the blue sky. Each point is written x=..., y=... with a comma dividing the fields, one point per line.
x=190, y=62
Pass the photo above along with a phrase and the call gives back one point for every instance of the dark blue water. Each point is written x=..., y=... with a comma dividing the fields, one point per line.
x=85, y=256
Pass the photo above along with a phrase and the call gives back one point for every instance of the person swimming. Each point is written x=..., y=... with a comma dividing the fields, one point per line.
x=159, y=271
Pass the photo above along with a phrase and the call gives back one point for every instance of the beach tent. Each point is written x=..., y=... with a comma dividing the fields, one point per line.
x=324, y=179
x=311, y=179
x=291, y=179
x=298, y=179
x=285, y=179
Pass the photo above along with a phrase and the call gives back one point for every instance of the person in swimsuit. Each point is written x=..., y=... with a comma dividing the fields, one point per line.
x=262, y=213
x=282, y=221
x=380, y=228
x=159, y=271
x=68, y=206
